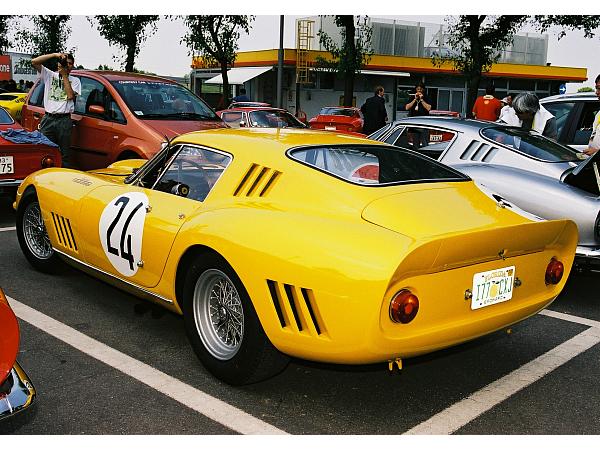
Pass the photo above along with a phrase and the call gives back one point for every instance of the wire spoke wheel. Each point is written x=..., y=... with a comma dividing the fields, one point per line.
x=218, y=314
x=35, y=233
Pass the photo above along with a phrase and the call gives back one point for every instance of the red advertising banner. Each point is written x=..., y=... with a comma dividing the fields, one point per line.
x=4, y=67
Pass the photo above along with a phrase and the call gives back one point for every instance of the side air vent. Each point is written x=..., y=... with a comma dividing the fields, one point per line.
x=257, y=181
x=479, y=151
x=66, y=238
x=296, y=308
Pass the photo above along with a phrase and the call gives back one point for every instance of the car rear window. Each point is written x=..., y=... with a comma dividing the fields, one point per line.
x=531, y=144
x=8, y=97
x=375, y=165
x=337, y=112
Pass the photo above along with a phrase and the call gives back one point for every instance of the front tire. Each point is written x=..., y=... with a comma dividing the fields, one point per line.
x=33, y=237
x=223, y=327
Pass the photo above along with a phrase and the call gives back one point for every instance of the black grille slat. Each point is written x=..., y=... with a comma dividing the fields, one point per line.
x=245, y=179
x=64, y=226
x=290, y=296
x=72, y=235
x=57, y=229
x=270, y=182
x=275, y=298
x=310, y=310
x=64, y=231
x=260, y=176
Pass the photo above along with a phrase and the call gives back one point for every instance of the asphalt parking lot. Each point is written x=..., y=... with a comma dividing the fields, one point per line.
x=104, y=362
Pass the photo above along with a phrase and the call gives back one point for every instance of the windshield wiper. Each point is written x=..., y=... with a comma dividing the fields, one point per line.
x=189, y=115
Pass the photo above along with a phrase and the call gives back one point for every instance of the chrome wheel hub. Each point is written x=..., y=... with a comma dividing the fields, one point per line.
x=218, y=314
x=35, y=233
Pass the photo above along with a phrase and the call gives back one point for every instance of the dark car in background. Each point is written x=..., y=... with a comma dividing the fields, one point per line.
x=574, y=117
x=122, y=115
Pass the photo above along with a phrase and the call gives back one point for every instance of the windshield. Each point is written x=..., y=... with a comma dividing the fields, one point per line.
x=337, y=112
x=531, y=144
x=375, y=165
x=274, y=119
x=5, y=117
x=164, y=101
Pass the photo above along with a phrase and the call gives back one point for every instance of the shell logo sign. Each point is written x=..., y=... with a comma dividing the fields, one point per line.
x=4, y=67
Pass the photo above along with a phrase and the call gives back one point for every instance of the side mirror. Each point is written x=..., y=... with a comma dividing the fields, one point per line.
x=96, y=109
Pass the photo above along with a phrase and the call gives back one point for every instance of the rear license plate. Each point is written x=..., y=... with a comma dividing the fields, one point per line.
x=330, y=128
x=493, y=286
x=6, y=164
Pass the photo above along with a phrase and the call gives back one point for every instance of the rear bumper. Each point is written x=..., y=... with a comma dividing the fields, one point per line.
x=19, y=393
x=10, y=183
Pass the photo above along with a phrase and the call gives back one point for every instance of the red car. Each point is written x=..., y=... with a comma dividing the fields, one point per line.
x=259, y=117
x=16, y=391
x=121, y=115
x=338, y=118
x=19, y=160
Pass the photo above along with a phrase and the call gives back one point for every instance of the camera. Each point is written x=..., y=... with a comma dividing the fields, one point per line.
x=63, y=61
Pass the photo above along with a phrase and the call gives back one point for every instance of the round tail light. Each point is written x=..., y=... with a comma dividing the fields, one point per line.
x=47, y=161
x=404, y=306
x=554, y=271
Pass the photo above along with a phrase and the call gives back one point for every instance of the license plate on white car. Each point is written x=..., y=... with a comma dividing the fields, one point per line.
x=493, y=286
x=330, y=128
x=6, y=164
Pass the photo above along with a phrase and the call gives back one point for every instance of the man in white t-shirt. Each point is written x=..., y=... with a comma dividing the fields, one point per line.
x=60, y=91
x=594, y=144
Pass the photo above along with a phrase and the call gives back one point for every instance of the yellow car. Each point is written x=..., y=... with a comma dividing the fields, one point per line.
x=278, y=242
x=13, y=102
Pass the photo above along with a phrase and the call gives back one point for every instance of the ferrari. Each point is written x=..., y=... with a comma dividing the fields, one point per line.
x=279, y=243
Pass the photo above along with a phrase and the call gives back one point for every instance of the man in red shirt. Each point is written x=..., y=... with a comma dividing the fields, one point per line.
x=487, y=107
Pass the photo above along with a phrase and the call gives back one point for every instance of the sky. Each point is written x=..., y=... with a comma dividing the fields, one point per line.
x=163, y=53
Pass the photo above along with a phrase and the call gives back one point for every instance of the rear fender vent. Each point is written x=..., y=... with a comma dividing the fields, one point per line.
x=64, y=232
x=258, y=181
x=479, y=151
x=296, y=309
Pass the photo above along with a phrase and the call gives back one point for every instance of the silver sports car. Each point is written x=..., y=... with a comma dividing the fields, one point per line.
x=537, y=174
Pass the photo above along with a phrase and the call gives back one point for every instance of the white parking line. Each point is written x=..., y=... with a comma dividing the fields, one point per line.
x=8, y=229
x=463, y=412
x=213, y=408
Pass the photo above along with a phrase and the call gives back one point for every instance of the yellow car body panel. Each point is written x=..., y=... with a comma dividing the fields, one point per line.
x=13, y=103
x=326, y=253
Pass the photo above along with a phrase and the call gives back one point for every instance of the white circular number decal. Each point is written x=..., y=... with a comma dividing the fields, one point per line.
x=121, y=230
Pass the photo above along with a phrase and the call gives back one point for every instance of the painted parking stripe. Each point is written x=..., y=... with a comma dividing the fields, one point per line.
x=213, y=408
x=8, y=229
x=463, y=412
x=570, y=318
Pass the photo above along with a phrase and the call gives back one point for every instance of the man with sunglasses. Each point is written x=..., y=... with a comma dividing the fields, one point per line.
x=60, y=91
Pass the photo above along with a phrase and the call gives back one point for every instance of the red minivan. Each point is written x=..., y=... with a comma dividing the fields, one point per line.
x=122, y=115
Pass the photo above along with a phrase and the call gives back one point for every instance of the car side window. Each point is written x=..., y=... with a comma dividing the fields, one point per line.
x=428, y=141
x=192, y=172
x=561, y=111
x=37, y=96
x=94, y=93
x=585, y=124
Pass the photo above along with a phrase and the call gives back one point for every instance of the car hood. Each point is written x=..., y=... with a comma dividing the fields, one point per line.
x=334, y=119
x=172, y=128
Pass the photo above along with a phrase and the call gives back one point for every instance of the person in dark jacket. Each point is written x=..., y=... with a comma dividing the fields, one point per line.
x=375, y=115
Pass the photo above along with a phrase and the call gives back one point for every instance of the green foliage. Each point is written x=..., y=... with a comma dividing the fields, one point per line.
x=585, y=89
x=6, y=25
x=48, y=34
x=215, y=39
x=353, y=54
x=587, y=24
x=126, y=32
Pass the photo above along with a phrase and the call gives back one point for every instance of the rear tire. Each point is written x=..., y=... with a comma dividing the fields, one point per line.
x=223, y=327
x=33, y=237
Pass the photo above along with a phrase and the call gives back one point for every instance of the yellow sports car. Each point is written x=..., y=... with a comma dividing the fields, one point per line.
x=278, y=242
x=13, y=102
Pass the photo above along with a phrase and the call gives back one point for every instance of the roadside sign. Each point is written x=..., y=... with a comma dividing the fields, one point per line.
x=4, y=67
x=562, y=88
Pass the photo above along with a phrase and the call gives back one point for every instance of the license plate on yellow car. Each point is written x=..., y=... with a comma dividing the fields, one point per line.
x=493, y=286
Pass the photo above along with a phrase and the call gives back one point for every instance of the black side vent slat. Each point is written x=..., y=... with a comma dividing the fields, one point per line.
x=260, y=176
x=270, y=183
x=275, y=298
x=245, y=179
x=490, y=155
x=310, y=310
x=471, y=148
x=57, y=230
x=290, y=296
x=64, y=231
x=480, y=152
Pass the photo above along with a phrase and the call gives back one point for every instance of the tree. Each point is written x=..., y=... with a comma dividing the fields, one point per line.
x=585, y=89
x=215, y=38
x=587, y=24
x=476, y=42
x=5, y=27
x=351, y=55
x=48, y=34
x=126, y=32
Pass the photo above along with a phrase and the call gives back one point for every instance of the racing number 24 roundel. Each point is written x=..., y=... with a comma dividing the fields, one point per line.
x=121, y=230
